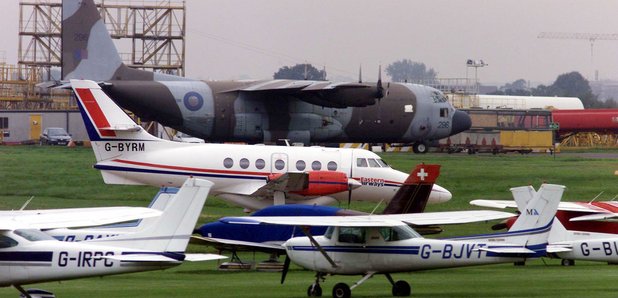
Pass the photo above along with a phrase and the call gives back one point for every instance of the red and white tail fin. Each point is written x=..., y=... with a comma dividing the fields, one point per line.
x=414, y=193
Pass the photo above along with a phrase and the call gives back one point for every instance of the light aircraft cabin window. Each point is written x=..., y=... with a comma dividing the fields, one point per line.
x=373, y=163
x=329, y=232
x=382, y=163
x=351, y=235
x=444, y=112
x=361, y=162
x=331, y=166
x=398, y=233
x=279, y=164
x=260, y=163
x=228, y=163
x=33, y=234
x=244, y=163
x=300, y=165
x=316, y=165
x=6, y=241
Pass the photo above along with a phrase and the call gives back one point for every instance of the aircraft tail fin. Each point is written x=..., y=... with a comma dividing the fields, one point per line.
x=533, y=225
x=522, y=195
x=88, y=51
x=413, y=195
x=172, y=230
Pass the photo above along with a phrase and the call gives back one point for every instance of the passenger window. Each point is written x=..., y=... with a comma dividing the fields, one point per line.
x=6, y=241
x=279, y=164
x=300, y=165
x=244, y=163
x=228, y=163
x=373, y=163
x=361, y=162
x=316, y=165
x=351, y=235
x=398, y=233
x=331, y=166
x=260, y=164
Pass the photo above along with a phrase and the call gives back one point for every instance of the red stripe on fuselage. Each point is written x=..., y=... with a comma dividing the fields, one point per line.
x=145, y=164
x=95, y=112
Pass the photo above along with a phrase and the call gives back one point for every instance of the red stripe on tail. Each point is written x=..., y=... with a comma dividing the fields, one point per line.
x=95, y=112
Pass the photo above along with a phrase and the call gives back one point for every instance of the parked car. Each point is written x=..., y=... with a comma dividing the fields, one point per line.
x=54, y=136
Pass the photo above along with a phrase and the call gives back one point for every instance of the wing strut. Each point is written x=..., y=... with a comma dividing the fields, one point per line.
x=307, y=233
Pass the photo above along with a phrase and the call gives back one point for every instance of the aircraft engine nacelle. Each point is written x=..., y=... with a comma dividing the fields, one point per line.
x=322, y=183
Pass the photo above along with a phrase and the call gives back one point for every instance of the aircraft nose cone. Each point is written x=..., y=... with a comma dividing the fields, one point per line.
x=439, y=195
x=461, y=122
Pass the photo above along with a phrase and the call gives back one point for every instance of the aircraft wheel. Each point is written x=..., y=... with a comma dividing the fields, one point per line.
x=401, y=288
x=567, y=262
x=314, y=290
x=342, y=290
x=420, y=148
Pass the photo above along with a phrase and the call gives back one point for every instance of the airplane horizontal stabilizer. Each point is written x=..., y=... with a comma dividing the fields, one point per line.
x=508, y=250
x=556, y=248
x=500, y=204
x=142, y=258
x=217, y=242
x=597, y=216
x=203, y=257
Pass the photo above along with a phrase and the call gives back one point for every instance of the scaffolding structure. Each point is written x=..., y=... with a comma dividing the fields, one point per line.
x=155, y=30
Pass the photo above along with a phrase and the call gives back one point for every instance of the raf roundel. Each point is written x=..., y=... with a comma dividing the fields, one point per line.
x=193, y=101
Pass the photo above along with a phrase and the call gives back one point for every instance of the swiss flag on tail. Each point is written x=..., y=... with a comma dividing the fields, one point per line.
x=414, y=193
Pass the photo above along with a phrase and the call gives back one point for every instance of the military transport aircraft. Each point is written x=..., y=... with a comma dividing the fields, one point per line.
x=584, y=230
x=385, y=244
x=252, y=176
x=31, y=256
x=256, y=111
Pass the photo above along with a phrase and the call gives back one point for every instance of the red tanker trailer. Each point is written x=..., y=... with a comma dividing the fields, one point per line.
x=599, y=121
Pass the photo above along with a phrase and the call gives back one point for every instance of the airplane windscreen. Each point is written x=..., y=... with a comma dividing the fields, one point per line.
x=382, y=163
x=6, y=241
x=33, y=235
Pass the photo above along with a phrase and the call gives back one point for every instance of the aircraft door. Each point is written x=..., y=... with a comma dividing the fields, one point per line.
x=354, y=240
x=279, y=163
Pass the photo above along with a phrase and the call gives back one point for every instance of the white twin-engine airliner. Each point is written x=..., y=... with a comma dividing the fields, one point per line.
x=251, y=176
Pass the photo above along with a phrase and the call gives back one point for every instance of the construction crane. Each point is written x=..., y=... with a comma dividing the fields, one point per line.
x=591, y=37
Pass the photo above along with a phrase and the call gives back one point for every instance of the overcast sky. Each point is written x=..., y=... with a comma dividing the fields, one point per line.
x=232, y=39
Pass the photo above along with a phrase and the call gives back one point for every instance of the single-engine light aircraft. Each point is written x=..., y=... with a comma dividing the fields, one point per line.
x=31, y=256
x=385, y=244
x=584, y=231
x=256, y=111
x=251, y=176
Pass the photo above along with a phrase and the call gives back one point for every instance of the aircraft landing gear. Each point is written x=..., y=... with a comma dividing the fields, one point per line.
x=567, y=262
x=420, y=147
x=401, y=288
x=314, y=289
x=341, y=290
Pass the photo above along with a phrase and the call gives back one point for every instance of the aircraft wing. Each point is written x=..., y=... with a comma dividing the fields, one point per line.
x=235, y=245
x=73, y=217
x=323, y=93
x=287, y=182
x=430, y=218
x=564, y=206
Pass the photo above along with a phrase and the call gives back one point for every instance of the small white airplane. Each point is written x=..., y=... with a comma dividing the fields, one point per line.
x=28, y=255
x=251, y=176
x=385, y=244
x=584, y=231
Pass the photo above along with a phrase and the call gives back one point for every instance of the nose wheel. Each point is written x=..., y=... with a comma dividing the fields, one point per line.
x=420, y=147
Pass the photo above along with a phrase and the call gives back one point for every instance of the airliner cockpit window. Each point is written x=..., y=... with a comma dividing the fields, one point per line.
x=6, y=241
x=361, y=162
x=373, y=163
x=382, y=163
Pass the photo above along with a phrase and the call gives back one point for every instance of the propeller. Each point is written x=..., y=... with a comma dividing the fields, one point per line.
x=286, y=266
x=352, y=184
x=379, y=87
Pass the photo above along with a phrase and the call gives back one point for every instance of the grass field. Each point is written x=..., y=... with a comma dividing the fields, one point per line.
x=63, y=177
